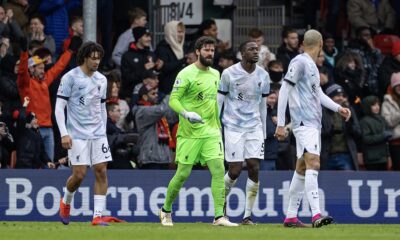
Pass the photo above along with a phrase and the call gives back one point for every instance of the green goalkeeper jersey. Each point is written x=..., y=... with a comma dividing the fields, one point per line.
x=195, y=90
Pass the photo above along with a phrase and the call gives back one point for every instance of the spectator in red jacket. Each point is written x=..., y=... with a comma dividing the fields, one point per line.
x=33, y=81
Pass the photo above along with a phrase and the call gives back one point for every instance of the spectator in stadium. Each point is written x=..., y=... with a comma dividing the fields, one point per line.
x=33, y=46
x=30, y=146
x=155, y=138
x=33, y=81
x=371, y=58
x=20, y=10
x=390, y=65
x=377, y=15
x=171, y=51
x=36, y=32
x=391, y=113
x=289, y=48
x=6, y=142
x=75, y=29
x=55, y=13
x=226, y=60
x=191, y=57
x=349, y=73
x=150, y=80
x=8, y=85
x=375, y=135
x=209, y=28
x=325, y=70
x=275, y=71
x=264, y=54
x=338, y=145
x=330, y=50
x=138, y=18
x=271, y=143
x=136, y=61
x=120, y=142
x=9, y=26
x=113, y=86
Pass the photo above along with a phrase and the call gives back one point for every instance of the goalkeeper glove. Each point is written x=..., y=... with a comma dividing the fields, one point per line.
x=192, y=117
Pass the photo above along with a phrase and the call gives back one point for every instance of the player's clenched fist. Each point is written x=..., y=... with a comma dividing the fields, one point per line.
x=66, y=142
x=192, y=117
x=280, y=133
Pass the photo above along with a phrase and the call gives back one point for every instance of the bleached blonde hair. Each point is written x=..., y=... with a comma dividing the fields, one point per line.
x=312, y=38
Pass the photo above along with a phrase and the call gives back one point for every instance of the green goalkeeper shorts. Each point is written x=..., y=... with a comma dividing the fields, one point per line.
x=199, y=150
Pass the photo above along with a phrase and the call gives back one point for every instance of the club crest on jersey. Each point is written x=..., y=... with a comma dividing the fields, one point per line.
x=178, y=82
x=314, y=88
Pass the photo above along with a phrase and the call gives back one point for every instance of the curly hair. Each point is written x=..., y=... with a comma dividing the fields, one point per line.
x=86, y=51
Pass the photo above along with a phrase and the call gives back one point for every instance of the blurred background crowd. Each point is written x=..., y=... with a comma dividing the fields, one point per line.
x=359, y=68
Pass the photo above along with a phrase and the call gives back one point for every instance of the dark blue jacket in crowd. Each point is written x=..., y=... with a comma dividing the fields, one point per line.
x=271, y=144
x=57, y=21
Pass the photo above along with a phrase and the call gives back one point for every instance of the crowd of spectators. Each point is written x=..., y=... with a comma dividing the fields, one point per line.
x=39, y=42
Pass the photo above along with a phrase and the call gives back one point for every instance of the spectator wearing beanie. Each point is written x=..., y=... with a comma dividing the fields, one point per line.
x=390, y=65
x=136, y=61
x=391, y=113
x=338, y=137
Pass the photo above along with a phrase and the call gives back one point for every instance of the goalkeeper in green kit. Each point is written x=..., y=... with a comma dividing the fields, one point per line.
x=194, y=97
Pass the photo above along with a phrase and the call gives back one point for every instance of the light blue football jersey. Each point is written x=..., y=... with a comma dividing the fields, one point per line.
x=85, y=96
x=304, y=100
x=243, y=92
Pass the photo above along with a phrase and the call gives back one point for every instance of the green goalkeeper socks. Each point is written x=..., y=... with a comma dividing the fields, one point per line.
x=176, y=183
x=216, y=167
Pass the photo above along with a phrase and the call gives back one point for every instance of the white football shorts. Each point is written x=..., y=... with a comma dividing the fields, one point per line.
x=89, y=151
x=243, y=145
x=308, y=139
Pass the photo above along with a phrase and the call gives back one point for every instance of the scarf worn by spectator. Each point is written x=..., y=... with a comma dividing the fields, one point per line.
x=163, y=132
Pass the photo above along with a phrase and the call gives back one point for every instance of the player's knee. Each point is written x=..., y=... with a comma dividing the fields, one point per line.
x=234, y=173
x=254, y=169
x=101, y=173
x=79, y=175
x=182, y=176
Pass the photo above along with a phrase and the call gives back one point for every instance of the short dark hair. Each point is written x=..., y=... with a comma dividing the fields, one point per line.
x=274, y=63
x=110, y=106
x=86, y=50
x=359, y=30
x=75, y=19
x=136, y=13
x=38, y=16
x=255, y=33
x=206, y=24
x=42, y=52
x=201, y=41
x=287, y=30
x=34, y=44
x=242, y=46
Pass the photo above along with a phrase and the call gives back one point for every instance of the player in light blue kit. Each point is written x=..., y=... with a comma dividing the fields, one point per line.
x=301, y=86
x=242, y=91
x=83, y=91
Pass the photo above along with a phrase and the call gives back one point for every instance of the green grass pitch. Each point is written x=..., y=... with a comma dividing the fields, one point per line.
x=191, y=231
